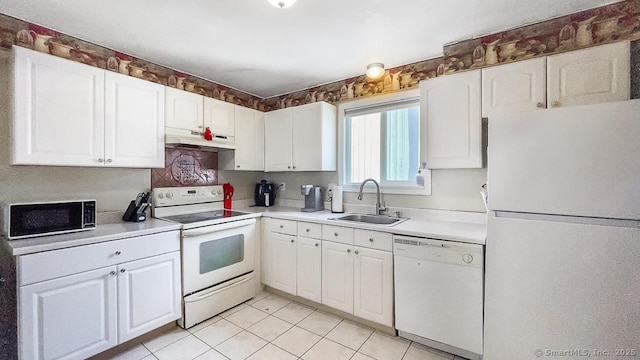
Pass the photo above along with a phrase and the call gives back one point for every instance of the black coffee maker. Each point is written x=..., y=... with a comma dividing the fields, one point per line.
x=265, y=194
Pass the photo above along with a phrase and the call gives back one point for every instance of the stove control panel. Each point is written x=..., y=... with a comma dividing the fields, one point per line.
x=171, y=196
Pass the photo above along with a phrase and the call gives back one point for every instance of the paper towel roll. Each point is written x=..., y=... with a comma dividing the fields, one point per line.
x=336, y=199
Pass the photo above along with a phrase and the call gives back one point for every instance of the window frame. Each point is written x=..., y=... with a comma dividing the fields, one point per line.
x=385, y=188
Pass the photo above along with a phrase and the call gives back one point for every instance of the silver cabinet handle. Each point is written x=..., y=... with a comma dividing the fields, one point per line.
x=100, y=160
x=109, y=160
x=370, y=239
x=335, y=234
x=294, y=167
x=281, y=226
x=349, y=250
x=540, y=105
x=356, y=252
x=291, y=240
x=123, y=270
x=118, y=253
x=288, y=167
x=112, y=273
x=308, y=230
x=317, y=244
x=238, y=166
x=555, y=103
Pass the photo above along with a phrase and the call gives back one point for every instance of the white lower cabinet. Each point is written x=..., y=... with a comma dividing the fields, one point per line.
x=346, y=269
x=282, y=261
x=359, y=280
x=72, y=317
x=115, y=291
x=309, y=274
x=148, y=294
x=373, y=285
x=294, y=262
x=337, y=276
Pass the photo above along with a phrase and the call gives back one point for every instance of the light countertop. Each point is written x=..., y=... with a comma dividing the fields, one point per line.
x=110, y=227
x=462, y=231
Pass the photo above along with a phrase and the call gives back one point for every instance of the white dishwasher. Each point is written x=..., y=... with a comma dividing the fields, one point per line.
x=439, y=294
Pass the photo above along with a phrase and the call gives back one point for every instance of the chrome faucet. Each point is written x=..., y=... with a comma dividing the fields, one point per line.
x=380, y=208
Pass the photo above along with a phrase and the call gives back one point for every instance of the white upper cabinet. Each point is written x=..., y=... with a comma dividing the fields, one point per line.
x=515, y=87
x=184, y=110
x=72, y=114
x=249, y=140
x=595, y=75
x=219, y=117
x=450, y=108
x=134, y=122
x=278, y=140
x=58, y=111
x=302, y=138
x=314, y=137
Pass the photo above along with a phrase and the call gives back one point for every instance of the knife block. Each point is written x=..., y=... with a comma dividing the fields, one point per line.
x=133, y=213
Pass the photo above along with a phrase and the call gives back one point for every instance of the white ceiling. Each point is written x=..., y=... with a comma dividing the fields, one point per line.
x=257, y=48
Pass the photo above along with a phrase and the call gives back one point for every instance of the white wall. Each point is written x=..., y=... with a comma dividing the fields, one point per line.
x=451, y=189
x=112, y=188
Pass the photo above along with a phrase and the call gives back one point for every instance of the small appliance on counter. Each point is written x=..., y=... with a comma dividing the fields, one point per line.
x=335, y=197
x=312, y=198
x=265, y=193
x=227, y=188
x=30, y=219
x=136, y=210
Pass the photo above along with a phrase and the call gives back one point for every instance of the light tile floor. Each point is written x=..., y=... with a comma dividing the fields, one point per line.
x=270, y=327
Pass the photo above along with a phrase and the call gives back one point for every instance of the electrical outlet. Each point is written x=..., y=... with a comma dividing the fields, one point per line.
x=283, y=186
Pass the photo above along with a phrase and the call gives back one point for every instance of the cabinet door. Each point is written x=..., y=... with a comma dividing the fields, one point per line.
x=337, y=276
x=373, y=285
x=278, y=140
x=184, y=110
x=59, y=111
x=450, y=108
x=515, y=87
x=249, y=153
x=219, y=117
x=309, y=271
x=149, y=294
x=72, y=317
x=595, y=75
x=282, y=262
x=134, y=122
x=314, y=137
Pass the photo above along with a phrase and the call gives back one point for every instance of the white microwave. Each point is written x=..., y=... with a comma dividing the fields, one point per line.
x=25, y=220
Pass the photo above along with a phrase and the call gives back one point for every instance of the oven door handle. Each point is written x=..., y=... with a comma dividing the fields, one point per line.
x=217, y=227
x=205, y=294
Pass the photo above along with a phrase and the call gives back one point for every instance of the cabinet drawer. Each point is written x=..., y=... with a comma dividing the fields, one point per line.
x=288, y=227
x=338, y=234
x=374, y=239
x=310, y=230
x=48, y=265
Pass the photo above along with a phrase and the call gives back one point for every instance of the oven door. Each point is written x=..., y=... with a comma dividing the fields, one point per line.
x=216, y=253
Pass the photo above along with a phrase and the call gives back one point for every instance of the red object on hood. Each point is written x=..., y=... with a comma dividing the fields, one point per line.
x=228, y=194
x=207, y=134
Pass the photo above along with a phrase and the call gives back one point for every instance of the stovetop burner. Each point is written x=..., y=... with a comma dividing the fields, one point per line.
x=203, y=216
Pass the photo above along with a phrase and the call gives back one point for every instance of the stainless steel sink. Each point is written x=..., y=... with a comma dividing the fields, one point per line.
x=372, y=219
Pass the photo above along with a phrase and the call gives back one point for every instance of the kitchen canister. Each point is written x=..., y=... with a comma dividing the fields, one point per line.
x=336, y=199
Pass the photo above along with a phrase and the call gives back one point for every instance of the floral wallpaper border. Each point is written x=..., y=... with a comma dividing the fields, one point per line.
x=606, y=24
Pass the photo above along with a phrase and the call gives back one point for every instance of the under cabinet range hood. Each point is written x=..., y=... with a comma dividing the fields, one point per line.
x=182, y=140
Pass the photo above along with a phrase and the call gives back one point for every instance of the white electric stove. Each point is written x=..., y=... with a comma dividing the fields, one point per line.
x=217, y=249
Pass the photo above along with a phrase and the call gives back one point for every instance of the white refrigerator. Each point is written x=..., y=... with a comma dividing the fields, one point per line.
x=563, y=237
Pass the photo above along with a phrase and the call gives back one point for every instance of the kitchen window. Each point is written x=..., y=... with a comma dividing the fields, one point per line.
x=380, y=139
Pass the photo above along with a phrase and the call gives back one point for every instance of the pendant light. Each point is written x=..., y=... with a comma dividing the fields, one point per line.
x=282, y=4
x=375, y=71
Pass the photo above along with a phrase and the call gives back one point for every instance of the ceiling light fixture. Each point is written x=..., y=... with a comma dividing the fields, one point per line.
x=282, y=4
x=375, y=70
